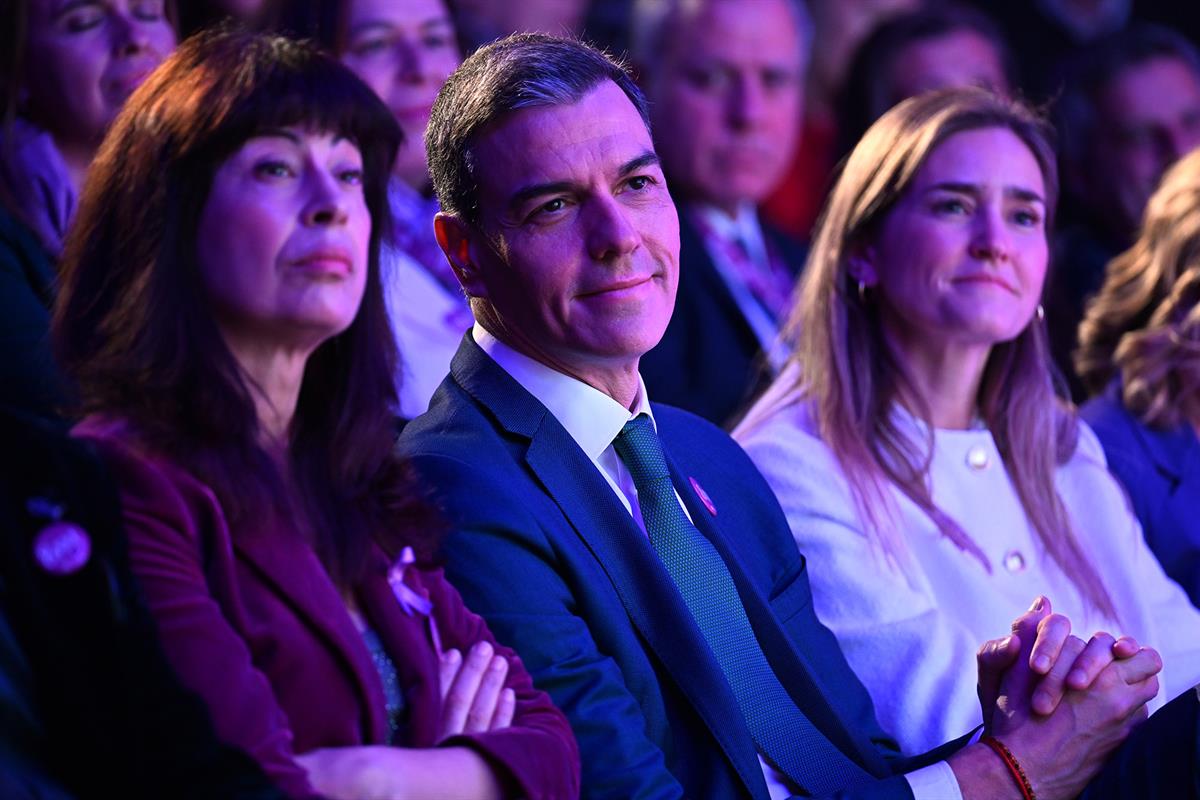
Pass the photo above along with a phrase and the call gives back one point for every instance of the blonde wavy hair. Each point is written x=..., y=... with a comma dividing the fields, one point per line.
x=1144, y=324
x=852, y=379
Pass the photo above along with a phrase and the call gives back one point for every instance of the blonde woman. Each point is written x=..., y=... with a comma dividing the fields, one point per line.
x=929, y=473
x=1140, y=354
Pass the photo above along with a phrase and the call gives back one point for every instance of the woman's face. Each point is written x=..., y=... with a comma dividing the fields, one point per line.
x=404, y=51
x=961, y=258
x=85, y=57
x=283, y=238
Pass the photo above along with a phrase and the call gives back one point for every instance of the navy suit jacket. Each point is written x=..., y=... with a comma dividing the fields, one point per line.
x=546, y=552
x=1160, y=469
x=709, y=361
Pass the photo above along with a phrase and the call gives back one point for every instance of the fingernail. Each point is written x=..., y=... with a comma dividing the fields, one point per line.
x=452, y=655
x=1005, y=643
x=1038, y=604
x=498, y=663
x=483, y=649
x=1041, y=663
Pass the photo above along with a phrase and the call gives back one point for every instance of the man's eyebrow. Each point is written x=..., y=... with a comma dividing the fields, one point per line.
x=1020, y=193
x=647, y=159
x=526, y=193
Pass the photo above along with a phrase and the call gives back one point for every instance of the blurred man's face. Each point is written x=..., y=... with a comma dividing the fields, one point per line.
x=1148, y=117
x=726, y=100
x=959, y=58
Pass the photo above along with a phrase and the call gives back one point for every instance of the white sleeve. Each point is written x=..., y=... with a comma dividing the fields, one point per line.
x=935, y=782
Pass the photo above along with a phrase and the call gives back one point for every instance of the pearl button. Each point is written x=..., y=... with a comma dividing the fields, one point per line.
x=1014, y=562
x=977, y=457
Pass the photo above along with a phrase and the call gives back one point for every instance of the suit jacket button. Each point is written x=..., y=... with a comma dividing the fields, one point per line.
x=61, y=548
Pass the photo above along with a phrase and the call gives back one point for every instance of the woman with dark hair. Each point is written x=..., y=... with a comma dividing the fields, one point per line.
x=930, y=475
x=404, y=50
x=65, y=71
x=1139, y=354
x=234, y=360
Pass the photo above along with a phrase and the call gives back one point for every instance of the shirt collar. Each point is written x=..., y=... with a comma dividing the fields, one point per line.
x=743, y=225
x=592, y=418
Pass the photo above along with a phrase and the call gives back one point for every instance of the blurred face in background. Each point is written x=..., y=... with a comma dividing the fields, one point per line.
x=726, y=100
x=959, y=58
x=1147, y=117
x=502, y=17
x=404, y=51
x=83, y=59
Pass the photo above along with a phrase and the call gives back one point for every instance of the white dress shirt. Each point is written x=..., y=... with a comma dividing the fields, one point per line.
x=746, y=228
x=593, y=420
x=425, y=322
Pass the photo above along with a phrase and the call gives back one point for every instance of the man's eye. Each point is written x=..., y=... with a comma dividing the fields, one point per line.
x=640, y=182
x=550, y=207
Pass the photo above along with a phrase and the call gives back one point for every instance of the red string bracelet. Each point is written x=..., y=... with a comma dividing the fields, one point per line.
x=1010, y=761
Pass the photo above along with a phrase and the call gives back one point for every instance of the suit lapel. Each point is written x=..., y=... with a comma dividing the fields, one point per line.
x=299, y=578
x=641, y=582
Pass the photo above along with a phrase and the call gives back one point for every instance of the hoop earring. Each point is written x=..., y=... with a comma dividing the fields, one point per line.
x=1041, y=313
x=862, y=292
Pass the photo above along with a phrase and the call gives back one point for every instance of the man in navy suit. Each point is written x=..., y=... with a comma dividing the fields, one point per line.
x=631, y=553
x=725, y=85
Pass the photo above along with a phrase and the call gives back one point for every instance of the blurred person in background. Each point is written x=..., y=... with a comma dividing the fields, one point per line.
x=195, y=15
x=234, y=362
x=726, y=90
x=941, y=47
x=65, y=71
x=1130, y=108
x=403, y=50
x=483, y=21
x=1139, y=355
x=838, y=26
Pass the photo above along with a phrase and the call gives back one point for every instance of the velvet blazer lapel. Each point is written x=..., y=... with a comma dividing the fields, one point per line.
x=296, y=574
x=645, y=589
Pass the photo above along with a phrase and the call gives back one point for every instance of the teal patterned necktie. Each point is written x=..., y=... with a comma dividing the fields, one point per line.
x=780, y=729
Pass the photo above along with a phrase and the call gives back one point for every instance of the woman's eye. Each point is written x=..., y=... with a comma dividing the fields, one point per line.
x=351, y=177
x=950, y=207
x=149, y=11
x=273, y=169
x=371, y=46
x=82, y=20
x=1026, y=218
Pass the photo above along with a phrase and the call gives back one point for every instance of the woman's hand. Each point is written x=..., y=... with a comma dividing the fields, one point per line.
x=474, y=699
x=374, y=772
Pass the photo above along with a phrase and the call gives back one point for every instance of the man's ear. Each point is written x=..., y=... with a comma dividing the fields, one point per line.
x=454, y=236
x=860, y=263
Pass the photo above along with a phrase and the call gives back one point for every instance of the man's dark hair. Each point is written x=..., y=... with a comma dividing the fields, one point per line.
x=528, y=70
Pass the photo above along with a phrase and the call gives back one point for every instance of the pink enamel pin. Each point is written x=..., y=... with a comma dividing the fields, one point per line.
x=703, y=495
x=61, y=548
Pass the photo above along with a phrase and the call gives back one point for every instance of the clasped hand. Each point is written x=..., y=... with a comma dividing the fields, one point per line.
x=1060, y=704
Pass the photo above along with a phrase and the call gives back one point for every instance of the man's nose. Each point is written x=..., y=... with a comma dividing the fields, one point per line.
x=611, y=233
x=746, y=101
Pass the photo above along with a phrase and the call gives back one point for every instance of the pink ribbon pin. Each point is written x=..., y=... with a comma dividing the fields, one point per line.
x=703, y=495
x=408, y=599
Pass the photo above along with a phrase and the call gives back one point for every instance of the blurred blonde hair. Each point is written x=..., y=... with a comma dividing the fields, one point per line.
x=1144, y=324
x=853, y=381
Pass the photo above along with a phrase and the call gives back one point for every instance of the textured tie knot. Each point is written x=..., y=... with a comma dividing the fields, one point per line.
x=638, y=446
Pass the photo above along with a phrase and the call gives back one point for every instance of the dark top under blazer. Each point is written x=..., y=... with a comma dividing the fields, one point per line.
x=709, y=361
x=545, y=551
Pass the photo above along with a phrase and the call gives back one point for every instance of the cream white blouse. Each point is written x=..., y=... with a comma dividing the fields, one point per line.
x=911, y=633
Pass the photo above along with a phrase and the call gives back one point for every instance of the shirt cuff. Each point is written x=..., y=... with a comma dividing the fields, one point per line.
x=935, y=782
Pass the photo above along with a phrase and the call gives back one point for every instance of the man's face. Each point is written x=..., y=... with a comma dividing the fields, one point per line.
x=726, y=100
x=577, y=245
x=1148, y=117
